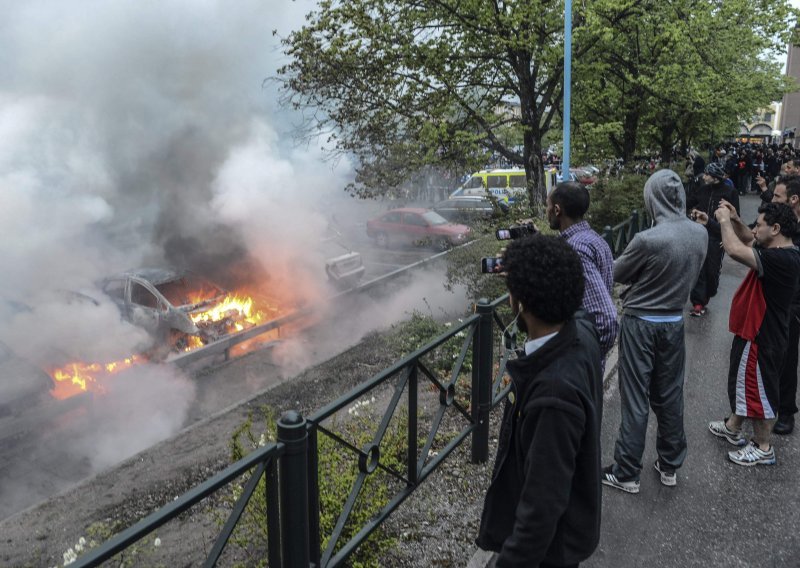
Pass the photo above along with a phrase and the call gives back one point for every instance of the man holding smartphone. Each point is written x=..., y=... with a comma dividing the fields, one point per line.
x=542, y=507
x=566, y=206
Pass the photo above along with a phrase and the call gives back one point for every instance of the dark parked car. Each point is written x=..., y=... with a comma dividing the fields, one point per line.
x=416, y=226
x=466, y=209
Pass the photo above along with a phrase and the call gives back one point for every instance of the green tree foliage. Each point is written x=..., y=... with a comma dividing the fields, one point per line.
x=401, y=83
x=679, y=72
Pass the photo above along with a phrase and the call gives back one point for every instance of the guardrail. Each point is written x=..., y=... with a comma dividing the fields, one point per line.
x=620, y=235
x=291, y=466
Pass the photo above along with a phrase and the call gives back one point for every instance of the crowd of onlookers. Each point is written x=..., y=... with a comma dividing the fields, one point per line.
x=742, y=162
x=544, y=505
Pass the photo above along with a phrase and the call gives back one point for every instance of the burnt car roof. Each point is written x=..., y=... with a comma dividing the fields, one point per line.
x=153, y=275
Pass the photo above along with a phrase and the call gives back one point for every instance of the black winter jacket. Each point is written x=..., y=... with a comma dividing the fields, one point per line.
x=706, y=198
x=543, y=503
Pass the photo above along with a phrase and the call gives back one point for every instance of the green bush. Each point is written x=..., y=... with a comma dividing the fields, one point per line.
x=613, y=200
x=338, y=470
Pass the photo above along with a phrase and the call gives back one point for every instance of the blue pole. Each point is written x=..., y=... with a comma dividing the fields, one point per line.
x=567, y=85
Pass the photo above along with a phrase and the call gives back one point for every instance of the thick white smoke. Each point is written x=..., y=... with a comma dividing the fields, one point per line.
x=140, y=134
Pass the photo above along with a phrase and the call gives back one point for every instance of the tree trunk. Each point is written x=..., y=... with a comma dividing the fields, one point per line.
x=534, y=171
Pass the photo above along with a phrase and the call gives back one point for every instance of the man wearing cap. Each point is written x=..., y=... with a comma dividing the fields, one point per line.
x=702, y=204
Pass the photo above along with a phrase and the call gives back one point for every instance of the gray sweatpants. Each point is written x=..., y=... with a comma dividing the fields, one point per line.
x=652, y=359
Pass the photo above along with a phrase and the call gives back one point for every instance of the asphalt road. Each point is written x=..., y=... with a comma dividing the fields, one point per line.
x=720, y=514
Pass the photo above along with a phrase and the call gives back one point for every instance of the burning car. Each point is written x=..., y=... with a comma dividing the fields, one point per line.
x=181, y=310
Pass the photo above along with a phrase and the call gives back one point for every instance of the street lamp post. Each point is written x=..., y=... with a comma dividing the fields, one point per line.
x=567, y=86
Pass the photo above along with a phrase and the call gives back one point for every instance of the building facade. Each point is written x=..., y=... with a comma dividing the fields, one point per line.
x=790, y=111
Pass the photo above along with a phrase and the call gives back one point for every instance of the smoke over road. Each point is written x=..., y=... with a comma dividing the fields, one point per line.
x=140, y=134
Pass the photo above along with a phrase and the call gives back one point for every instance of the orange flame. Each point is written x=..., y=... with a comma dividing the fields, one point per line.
x=240, y=311
x=76, y=378
x=239, y=308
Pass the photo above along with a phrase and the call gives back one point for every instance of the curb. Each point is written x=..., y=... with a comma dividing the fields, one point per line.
x=481, y=558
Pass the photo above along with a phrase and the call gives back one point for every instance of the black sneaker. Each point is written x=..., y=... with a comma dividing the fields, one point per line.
x=668, y=476
x=608, y=478
x=784, y=426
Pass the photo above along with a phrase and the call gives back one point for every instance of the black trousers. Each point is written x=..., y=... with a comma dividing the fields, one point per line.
x=788, y=384
x=708, y=280
x=493, y=559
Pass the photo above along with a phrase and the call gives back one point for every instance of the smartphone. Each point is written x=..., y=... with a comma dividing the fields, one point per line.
x=491, y=265
x=515, y=232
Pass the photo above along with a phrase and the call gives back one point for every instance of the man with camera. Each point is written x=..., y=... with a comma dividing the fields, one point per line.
x=759, y=320
x=542, y=507
x=566, y=206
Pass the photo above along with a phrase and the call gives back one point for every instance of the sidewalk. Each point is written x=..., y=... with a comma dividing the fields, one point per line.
x=720, y=514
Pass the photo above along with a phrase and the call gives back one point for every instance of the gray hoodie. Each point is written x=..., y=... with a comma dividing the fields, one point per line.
x=661, y=264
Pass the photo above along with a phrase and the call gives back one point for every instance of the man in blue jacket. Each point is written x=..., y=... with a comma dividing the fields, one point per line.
x=542, y=508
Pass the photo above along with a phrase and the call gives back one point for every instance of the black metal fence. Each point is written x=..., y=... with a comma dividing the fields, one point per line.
x=290, y=467
x=620, y=235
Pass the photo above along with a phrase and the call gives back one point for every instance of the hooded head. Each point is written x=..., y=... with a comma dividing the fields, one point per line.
x=664, y=197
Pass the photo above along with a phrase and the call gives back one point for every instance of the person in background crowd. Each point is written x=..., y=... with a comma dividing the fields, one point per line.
x=660, y=264
x=744, y=167
x=789, y=168
x=566, y=206
x=759, y=320
x=788, y=192
x=702, y=204
x=542, y=507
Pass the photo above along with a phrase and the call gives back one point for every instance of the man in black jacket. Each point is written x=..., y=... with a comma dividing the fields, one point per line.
x=701, y=204
x=543, y=505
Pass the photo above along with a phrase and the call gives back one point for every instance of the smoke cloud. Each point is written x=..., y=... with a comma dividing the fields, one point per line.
x=141, y=133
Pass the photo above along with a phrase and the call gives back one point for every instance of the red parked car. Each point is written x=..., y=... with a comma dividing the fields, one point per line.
x=416, y=226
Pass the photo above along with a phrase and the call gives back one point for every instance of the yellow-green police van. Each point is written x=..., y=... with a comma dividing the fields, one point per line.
x=508, y=183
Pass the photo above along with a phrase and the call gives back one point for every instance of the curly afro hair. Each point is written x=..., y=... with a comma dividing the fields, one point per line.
x=546, y=275
x=780, y=214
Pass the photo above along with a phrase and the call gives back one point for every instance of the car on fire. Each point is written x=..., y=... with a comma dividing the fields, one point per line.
x=171, y=305
x=416, y=226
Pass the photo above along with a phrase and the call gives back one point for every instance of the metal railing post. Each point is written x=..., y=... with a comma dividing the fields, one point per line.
x=608, y=235
x=482, y=365
x=634, y=225
x=294, y=490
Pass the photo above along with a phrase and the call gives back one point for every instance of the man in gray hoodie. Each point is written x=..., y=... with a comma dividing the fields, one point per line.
x=661, y=265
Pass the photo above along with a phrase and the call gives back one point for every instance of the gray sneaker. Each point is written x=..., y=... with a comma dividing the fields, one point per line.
x=668, y=476
x=607, y=477
x=752, y=455
x=735, y=437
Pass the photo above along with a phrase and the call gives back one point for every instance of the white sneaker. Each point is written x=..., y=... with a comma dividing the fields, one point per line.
x=735, y=437
x=668, y=476
x=751, y=454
